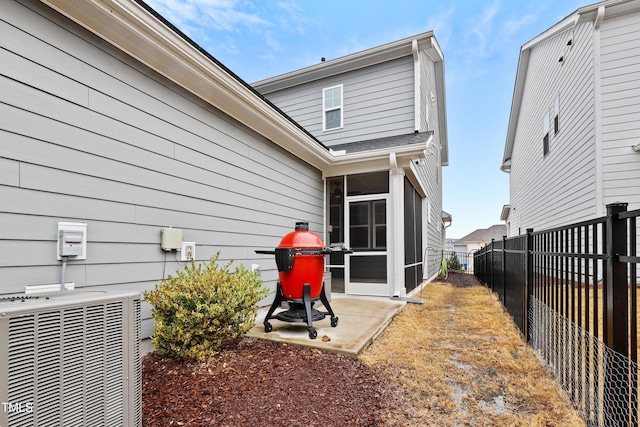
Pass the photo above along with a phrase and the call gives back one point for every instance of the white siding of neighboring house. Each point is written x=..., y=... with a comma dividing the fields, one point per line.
x=89, y=135
x=620, y=71
x=377, y=102
x=558, y=188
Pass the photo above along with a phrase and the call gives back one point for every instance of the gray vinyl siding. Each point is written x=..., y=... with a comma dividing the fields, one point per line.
x=89, y=135
x=558, y=188
x=430, y=173
x=430, y=177
x=377, y=102
x=620, y=71
x=428, y=108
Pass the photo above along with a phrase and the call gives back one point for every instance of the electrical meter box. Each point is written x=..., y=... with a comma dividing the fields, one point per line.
x=72, y=240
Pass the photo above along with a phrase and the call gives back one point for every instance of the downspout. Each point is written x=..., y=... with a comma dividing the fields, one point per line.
x=597, y=97
x=416, y=85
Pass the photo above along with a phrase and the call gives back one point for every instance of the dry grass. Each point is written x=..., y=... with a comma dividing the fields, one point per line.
x=461, y=362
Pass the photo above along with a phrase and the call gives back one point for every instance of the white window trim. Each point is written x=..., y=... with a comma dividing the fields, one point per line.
x=546, y=135
x=556, y=115
x=340, y=107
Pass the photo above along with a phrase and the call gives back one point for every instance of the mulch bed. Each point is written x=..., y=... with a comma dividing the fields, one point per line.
x=264, y=383
x=461, y=280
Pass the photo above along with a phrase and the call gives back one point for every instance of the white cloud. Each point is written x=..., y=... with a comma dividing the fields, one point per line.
x=441, y=24
x=294, y=18
x=271, y=41
x=482, y=35
x=225, y=15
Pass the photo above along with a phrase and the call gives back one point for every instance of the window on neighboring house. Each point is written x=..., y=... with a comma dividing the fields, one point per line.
x=556, y=113
x=545, y=132
x=332, y=108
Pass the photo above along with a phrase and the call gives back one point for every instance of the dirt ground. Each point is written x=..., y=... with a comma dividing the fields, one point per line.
x=456, y=360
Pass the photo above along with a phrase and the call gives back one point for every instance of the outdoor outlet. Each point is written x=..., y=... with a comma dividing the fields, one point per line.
x=188, y=251
x=256, y=267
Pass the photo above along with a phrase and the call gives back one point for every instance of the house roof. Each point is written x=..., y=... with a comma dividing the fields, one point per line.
x=504, y=215
x=134, y=28
x=484, y=235
x=139, y=31
x=595, y=12
x=379, y=54
x=366, y=58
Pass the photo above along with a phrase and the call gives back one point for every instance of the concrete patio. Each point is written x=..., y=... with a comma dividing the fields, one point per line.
x=361, y=320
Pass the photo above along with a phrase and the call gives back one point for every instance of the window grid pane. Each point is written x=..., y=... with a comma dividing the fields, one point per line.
x=332, y=119
x=332, y=107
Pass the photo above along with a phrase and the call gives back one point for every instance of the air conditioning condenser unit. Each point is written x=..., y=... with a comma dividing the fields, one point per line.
x=70, y=358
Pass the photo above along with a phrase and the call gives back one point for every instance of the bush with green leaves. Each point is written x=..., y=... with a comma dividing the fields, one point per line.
x=454, y=262
x=205, y=307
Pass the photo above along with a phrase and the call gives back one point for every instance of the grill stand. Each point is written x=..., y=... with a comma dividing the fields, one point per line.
x=301, y=310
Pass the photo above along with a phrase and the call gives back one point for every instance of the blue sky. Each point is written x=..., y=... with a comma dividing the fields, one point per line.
x=480, y=40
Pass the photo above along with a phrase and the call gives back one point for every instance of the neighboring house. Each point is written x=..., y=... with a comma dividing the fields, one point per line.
x=448, y=245
x=479, y=238
x=111, y=117
x=573, y=141
x=467, y=245
x=375, y=105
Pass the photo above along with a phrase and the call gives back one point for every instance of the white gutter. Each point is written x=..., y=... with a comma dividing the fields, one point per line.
x=597, y=101
x=416, y=85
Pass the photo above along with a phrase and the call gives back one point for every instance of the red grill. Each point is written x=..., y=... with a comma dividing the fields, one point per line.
x=300, y=261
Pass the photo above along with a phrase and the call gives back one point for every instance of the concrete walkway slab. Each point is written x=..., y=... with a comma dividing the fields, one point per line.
x=361, y=320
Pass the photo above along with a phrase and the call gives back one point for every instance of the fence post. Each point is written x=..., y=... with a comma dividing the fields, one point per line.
x=616, y=387
x=504, y=270
x=491, y=265
x=528, y=281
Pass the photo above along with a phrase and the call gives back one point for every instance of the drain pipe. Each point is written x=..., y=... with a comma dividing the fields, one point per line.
x=64, y=270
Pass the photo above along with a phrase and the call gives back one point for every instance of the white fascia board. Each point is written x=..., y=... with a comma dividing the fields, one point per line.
x=504, y=215
x=134, y=30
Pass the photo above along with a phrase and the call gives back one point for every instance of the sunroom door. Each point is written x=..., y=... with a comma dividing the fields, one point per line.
x=366, y=269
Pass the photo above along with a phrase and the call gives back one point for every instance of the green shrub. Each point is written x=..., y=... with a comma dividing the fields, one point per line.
x=203, y=309
x=454, y=262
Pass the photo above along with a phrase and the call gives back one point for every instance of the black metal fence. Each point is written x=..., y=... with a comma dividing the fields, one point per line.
x=465, y=260
x=572, y=292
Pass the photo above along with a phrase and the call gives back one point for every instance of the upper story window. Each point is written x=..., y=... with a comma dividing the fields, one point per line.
x=545, y=133
x=332, y=108
x=556, y=114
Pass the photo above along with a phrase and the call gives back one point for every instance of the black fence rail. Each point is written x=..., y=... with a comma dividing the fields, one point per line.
x=572, y=291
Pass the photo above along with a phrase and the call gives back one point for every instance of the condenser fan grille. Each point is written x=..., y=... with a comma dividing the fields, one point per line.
x=71, y=366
